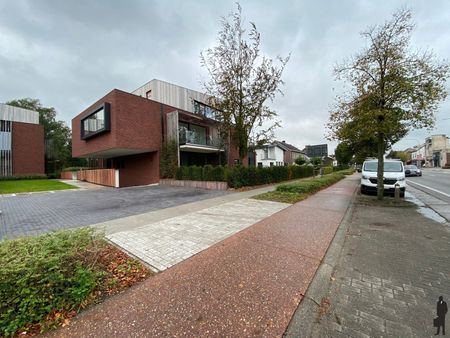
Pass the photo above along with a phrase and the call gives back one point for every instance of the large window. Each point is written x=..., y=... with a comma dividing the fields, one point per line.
x=97, y=122
x=191, y=133
x=204, y=110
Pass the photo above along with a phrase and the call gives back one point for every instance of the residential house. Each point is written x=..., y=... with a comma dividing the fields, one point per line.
x=269, y=155
x=291, y=153
x=126, y=131
x=276, y=154
x=21, y=142
x=329, y=161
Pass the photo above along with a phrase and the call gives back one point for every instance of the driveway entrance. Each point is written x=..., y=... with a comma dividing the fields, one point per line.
x=32, y=214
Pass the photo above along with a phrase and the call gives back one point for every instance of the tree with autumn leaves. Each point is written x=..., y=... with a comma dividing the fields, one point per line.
x=393, y=90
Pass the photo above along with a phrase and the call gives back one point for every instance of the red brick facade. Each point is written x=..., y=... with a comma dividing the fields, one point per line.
x=27, y=149
x=139, y=169
x=133, y=143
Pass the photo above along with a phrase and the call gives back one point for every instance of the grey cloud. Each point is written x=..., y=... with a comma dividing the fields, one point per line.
x=69, y=54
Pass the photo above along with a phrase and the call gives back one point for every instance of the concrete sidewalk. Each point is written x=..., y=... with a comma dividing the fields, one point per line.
x=244, y=286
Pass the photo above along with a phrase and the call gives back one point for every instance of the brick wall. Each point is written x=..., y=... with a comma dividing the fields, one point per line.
x=27, y=149
x=139, y=169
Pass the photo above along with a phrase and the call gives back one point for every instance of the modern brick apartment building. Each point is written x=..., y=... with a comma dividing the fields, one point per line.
x=21, y=142
x=126, y=131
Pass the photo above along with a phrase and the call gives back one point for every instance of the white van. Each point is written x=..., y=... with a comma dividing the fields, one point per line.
x=394, y=173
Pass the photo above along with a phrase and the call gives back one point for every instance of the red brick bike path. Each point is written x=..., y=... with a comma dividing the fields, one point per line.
x=248, y=285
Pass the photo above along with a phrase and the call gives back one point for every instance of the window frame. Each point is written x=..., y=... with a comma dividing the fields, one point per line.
x=106, y=107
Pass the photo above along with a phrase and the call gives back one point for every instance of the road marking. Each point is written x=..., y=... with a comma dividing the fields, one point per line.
x=432, y=189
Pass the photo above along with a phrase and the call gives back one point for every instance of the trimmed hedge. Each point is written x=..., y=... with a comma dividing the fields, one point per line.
x=341, y=167
x=239, y=176
x=76, y=168
x=327, y=170
x=25, y=177
x=310, y=186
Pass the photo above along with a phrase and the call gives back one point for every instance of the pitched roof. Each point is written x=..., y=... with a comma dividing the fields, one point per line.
x=287, y=146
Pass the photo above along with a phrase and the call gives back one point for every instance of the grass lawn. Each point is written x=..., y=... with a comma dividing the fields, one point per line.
x=281, y=196
x=15, y=186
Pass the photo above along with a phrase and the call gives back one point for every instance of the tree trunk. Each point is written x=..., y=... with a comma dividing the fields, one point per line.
x=380, y=169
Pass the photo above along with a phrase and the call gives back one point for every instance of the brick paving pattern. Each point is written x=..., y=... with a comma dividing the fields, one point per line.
x=32, y=214
x=394, y=265
x=171, y=241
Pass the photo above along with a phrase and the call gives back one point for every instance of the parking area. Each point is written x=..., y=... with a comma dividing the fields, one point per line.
x=32, y=214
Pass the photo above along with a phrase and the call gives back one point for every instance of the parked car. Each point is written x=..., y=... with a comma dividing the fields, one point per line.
x=393, y=174
x=412, y=170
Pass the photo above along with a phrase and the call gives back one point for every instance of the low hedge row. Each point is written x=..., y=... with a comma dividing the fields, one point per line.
x=239, y=176
x=327, y=170
x=24, y=177
x=75, y=168
x=311, y=186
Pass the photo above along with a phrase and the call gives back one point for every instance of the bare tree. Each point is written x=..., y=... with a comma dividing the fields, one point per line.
x=394, y=90
x=241, y=82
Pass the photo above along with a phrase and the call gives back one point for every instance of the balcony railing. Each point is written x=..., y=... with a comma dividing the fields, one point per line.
x=192, y=137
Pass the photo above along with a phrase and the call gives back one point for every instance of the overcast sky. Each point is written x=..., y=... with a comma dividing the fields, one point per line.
x=68, y=54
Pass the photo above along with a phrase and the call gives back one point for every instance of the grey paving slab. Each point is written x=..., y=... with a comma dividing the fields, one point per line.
x=32, y=214
x=170, y=241
x=392, y=267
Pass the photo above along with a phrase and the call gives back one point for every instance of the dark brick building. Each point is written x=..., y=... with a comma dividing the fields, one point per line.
x=125, y=131
x=21, y=142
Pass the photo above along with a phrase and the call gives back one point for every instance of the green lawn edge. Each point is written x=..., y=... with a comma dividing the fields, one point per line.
x=19, y=186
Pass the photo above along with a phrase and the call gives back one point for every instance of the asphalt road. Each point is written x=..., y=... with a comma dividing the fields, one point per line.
x=435, y=182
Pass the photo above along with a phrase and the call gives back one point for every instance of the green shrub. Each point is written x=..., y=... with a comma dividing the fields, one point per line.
x=239, y=176
x=54, y=175
x=310, y=186
x=168, y=161
x=218, y=173
x=76, y=168
x=349, y=171
x=28, y=177
x=327, y=170
x=45, y=273
x=340, y=167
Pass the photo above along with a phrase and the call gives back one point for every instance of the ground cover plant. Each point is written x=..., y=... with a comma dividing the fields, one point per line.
x=297, y=191
x=18, y=186
x=46, y=280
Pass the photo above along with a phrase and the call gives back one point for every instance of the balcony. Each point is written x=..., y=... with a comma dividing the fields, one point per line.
x=192, y=141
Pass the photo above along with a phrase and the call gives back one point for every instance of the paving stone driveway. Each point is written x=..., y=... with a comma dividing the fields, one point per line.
x=166, y=243
x=31, y=214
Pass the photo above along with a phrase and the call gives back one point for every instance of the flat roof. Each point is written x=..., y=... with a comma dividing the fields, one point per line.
x=16, y=114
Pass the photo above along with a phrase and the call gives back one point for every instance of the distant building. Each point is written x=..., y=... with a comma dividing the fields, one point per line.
x=291, y=153
x=418, y=157
x=329, y=161
x=21, y=142
x=318, y=150
x=269, y=155
x=437, y=151
x=276, y=154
